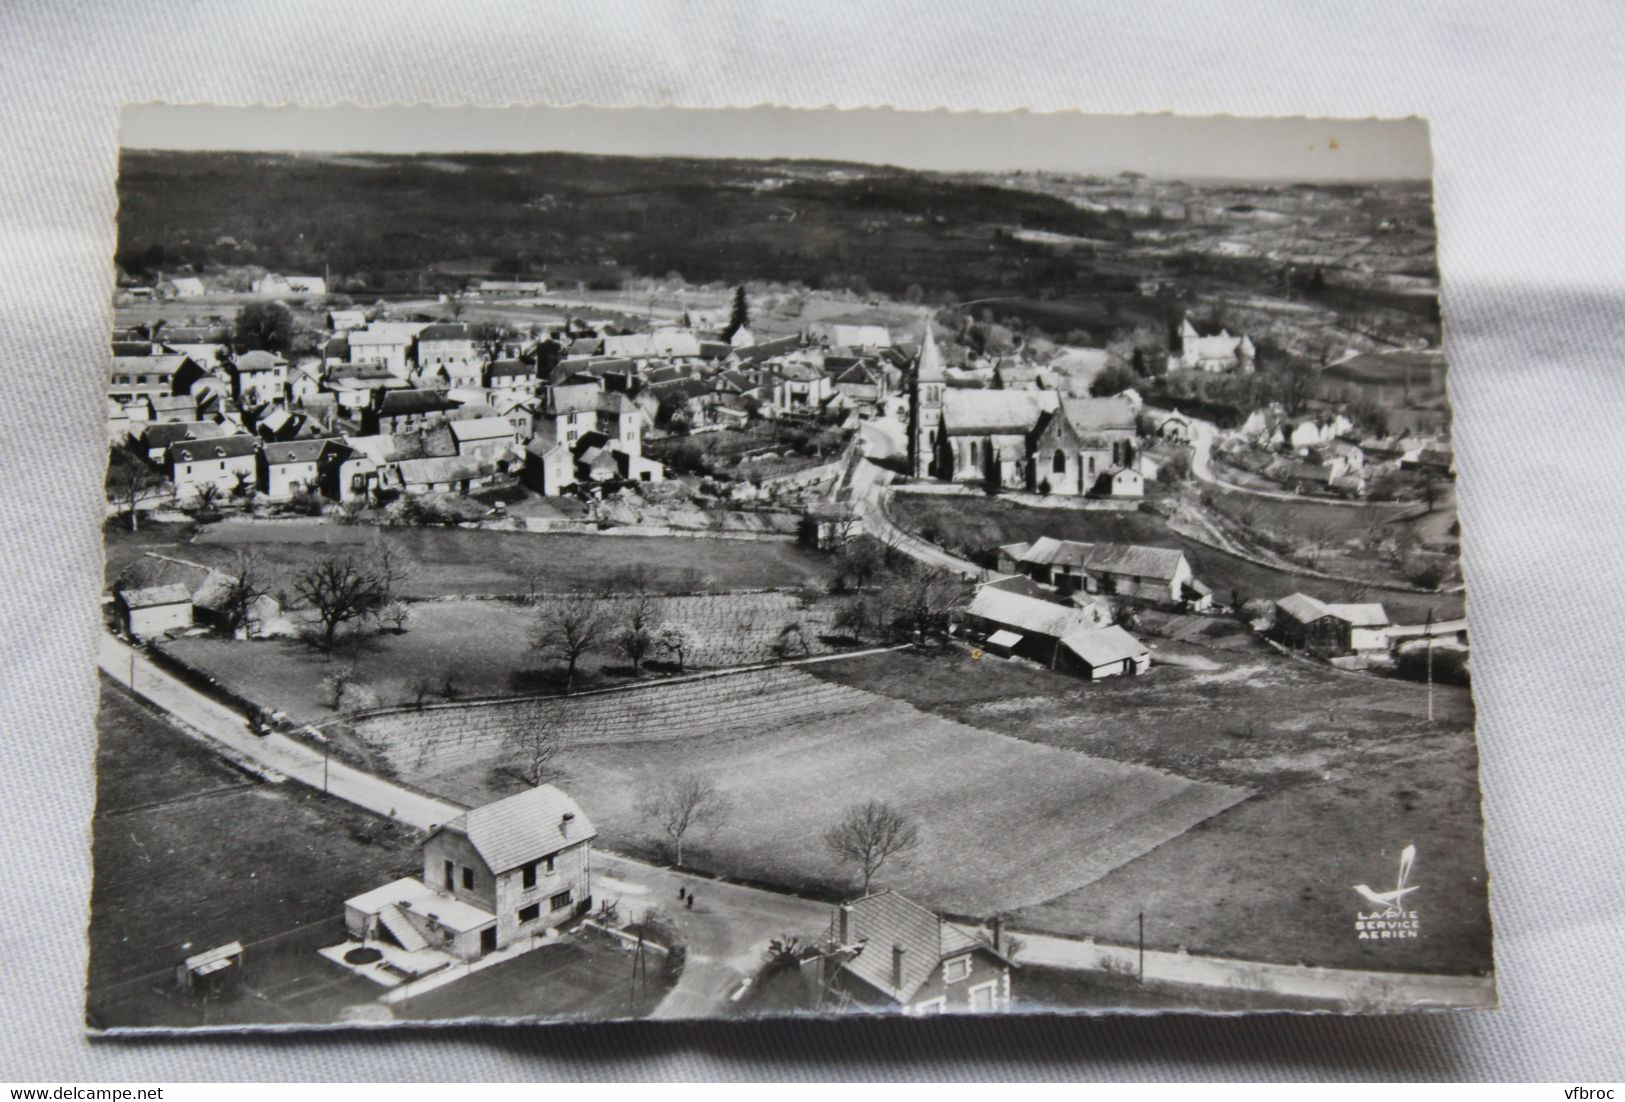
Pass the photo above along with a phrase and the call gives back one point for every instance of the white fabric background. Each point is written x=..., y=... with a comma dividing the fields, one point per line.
x=1525, y=100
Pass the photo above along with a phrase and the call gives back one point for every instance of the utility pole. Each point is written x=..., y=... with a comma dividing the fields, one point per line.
x=1142, y=947
x=1428, y=632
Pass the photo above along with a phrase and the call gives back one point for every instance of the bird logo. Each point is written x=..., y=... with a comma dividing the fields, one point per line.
x=1391, y=902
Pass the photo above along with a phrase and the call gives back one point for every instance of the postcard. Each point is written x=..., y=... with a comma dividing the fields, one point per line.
x=574, y=564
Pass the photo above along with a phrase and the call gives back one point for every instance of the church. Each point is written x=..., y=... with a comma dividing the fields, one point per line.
x=1017, y=439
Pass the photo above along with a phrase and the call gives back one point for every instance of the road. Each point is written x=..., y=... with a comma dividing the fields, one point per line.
x=727, y=930
x=871, y=485
x=1203, y=436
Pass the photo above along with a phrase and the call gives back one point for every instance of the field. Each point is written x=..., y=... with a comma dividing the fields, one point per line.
x=462, y=561
x=1003, y=822
x=484, y=648
x=1344, y=773
x=979, y=524
x=168, y=883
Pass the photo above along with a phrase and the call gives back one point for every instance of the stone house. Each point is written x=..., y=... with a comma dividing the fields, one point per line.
x=892, y=954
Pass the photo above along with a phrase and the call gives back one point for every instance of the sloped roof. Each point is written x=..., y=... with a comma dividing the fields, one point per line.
x=1303, y=608
x=155, y=595
x=524, y=827
x=296, y=451
x=148, y=365
x=441, y=468
x=387, y=332
x=886, y=921
x=398, y=402
x=979, y=412
x=444, y=331
x=1028, y=614
x=224, y=447
x=1368, y=615
x=259, y=360
x=1099, y=414
x=1104, y=645
x=1049, y=551
x=1131, y=558
x=860, y=336
x=509, y=368
x=481, y=428
x=161, y=434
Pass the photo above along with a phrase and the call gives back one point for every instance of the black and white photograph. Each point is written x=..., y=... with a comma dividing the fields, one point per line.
x=573, y=564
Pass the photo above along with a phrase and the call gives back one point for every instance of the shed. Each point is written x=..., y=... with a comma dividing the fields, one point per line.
x=154, y=610
x=212, y=971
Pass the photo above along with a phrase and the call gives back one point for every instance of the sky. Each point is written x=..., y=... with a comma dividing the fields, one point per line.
x=1157, y=145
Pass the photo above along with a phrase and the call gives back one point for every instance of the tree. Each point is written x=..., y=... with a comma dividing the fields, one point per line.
x=1292, y=384
x=852, y=618
x=675, y=640
x=739, y=316
x=1113, y=380
x=130, y=481
x=396, y=614
x=918, y=599
x=567, y=629
x=636, y=637
x=678, y=805
x=205, y=497
x=859, y=561
x=262, y=326
x=869, y=835
x=537, y=745
x=491, y=340
x=339, y=590
x=251, y=584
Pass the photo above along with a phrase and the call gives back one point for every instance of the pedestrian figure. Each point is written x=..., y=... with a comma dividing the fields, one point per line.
x=681, y=891
x=691, y=901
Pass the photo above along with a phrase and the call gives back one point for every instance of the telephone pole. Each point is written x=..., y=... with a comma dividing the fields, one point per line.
x=1428, y=633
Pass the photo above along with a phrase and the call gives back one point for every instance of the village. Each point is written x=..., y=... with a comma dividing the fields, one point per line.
x=564, y=600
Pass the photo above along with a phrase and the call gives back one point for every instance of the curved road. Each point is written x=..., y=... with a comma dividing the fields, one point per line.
x=1203, y=435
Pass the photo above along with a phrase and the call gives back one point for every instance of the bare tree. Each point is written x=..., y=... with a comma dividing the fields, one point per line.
x=919, y=599
x=677, y=641
x=396, y=614
x=251, y=584
x=678, y=805
x=567, y=629
x=537, y=745
x=206, y=496
x=130, y=481
x=392, y=569
x=636, y=638
x=869, y=835
x=852, y=618
x=339, y=590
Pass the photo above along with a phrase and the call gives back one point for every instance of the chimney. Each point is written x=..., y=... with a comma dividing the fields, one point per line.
x=897, y=967
x=843, y=931
x=998, y=935
x=564, y=822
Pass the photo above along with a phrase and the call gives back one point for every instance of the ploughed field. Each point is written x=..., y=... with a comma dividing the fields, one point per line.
x=1003, y=822
x=1343, y=769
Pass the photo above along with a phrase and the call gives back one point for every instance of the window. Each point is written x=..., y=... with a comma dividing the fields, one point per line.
x=982, y=996
x=527, y=876
x=1091, y=466
x=1059, y=465
x=956, y=969
x=547, y=865
x=530, y=913
x=468, y=879
x=559, y=901
x=450, y=876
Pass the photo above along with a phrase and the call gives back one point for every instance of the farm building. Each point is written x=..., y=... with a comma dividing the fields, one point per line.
x=1102, y=652
x=1017, y=625
x=501, y=872
x=1330, y=630
x=1156, y=574
x=292, y=468
x=893, y=954
x=154, y=610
